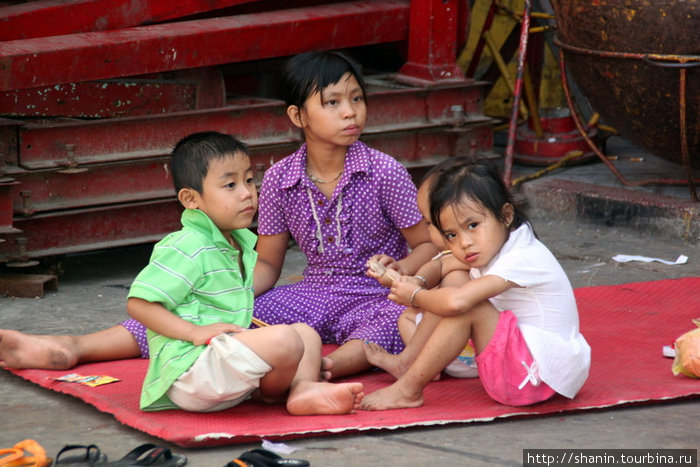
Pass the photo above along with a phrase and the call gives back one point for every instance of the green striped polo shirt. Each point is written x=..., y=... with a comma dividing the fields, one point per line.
x=195, y=274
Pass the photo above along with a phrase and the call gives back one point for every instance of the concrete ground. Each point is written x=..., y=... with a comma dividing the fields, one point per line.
x=583, y=228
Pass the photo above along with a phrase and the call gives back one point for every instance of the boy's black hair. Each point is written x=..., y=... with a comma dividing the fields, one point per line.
x=480, y=183
x=190, y=159
x=309, y=72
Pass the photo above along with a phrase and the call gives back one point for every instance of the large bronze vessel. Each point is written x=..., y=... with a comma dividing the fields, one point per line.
x=638, y=63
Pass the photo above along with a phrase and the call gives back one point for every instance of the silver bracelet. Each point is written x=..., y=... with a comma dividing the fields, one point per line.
x=421, y=278
x=413, y=295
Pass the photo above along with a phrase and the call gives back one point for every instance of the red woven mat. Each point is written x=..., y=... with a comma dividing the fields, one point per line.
x=626, y=326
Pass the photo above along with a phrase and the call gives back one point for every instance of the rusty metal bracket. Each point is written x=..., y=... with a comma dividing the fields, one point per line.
x=72, y=163
x=27, y=285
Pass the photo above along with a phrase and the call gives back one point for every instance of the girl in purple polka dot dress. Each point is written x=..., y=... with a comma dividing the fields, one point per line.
x=340, y=200
x=343, y=203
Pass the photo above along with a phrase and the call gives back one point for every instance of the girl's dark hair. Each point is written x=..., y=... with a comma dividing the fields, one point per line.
x=444, y=166
x=190, y=159
x=480, y=183
x=309, y=72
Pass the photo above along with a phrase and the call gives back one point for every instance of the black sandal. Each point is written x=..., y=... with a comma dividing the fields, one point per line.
x=149, y=454
x=264, y=458
x=91, y=455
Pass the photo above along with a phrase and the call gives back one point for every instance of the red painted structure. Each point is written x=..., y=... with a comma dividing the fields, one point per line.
x=93, y=95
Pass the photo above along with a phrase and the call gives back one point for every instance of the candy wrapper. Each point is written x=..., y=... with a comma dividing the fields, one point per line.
x=687, y=359
x=92, y=381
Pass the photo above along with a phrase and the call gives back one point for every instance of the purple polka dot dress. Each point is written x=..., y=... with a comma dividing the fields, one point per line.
x=374, y=198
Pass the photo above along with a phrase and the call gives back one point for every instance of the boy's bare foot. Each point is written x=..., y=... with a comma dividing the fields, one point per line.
x=19, y=350
x=391, y=397
x=379, y=357
x=326, y=369
x=322, y=398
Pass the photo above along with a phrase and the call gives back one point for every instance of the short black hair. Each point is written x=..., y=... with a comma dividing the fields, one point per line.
x=310, y=72
x=191, y=156
x=480, y=183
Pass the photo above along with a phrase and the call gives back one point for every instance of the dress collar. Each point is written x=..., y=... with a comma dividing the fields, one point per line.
x=357, y=159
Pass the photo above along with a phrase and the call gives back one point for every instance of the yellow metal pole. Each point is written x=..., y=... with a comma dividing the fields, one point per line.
x=502, y=67
x=532, y=103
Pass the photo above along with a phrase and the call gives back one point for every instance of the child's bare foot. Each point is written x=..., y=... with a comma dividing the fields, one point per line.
x=379, y=357
x=19, y=350
x=322, y=398
x=392, y=364
x=391, y=397
x=326, y=369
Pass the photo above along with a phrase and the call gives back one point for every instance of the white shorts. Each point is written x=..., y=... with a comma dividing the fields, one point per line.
x=223, y=376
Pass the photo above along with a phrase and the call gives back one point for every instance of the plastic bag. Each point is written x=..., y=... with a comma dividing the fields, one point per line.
x=687, y=359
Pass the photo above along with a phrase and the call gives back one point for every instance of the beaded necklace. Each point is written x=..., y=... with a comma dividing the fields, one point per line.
x=315, y=179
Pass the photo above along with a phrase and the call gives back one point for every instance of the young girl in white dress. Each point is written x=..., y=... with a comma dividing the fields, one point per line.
x=518, y=307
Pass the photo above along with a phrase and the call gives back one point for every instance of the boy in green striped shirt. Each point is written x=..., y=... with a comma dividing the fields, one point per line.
x=196, y=299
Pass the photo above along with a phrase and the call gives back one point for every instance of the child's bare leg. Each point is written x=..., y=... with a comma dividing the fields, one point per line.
x=20, y=350
x=407, y=324
x=349, y=359
x=442, y=347
x=281, y=348
x=294, y=353
x=413, y=333
x=397, y=365
x=307, y=395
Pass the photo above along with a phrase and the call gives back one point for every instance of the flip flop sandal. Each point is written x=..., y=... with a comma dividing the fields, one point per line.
x=265, y=458
x=10, y=455
x=149, y=454
x=35, y=455
x=90, y=455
